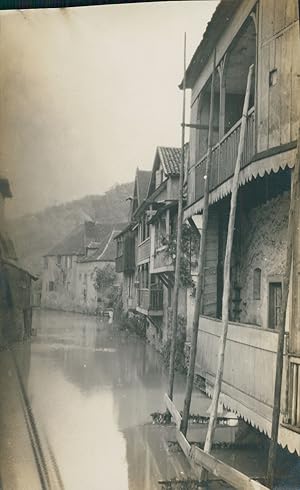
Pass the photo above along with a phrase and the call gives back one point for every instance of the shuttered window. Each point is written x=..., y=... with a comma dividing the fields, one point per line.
x=275, y=304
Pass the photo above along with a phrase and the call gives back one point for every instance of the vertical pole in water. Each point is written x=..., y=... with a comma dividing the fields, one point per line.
x=178, y=243
x=227, y=263
x=292, y=225
x=199, y=291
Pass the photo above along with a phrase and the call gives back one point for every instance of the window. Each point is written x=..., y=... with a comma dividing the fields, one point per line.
x=275, y=304
x=120, y=247
x=51, y=285
x=256, y=283
x=144, y=229
x=58, y=259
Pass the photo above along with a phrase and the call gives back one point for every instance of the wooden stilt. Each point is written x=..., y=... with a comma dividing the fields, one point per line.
x=201, y=260
x=285, y=291
x=227, y=262
x=178, y=244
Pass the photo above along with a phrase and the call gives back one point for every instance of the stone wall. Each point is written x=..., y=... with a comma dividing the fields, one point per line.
x=263, y=246
x=63, y=295
x=73, y=287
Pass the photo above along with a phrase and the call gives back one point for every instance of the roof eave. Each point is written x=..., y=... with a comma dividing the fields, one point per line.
x=215, y=28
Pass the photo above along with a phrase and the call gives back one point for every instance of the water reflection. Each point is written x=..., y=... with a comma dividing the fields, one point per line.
x=92, y=390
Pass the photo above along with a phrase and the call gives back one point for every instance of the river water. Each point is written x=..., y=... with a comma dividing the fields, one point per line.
x=76, y=412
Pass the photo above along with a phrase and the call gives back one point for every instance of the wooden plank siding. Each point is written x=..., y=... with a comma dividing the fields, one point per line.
x=278, y=49
x=244, y=390
x=295, y=109
x=211, y=263
x=143, y=252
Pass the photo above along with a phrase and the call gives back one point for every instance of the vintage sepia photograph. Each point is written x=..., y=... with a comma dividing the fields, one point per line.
x=149, y=245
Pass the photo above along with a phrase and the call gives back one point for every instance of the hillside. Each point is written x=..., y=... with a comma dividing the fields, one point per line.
x=35, y=234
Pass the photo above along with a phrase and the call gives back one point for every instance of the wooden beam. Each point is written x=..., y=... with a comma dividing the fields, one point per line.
x=173, y=411
x=201, y=265
x=292, y=229
x=225, y=472
x=227, y=267
x=174, y=326
x=200, y=126
x=198, y=458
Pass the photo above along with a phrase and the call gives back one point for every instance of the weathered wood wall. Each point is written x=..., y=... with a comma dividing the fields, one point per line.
x=211, y=264
x=250, y=352
x=278, y=105
x=278, y=48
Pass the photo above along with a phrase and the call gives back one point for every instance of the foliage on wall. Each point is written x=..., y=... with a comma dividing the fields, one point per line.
x=180, y=343
x=189, y=252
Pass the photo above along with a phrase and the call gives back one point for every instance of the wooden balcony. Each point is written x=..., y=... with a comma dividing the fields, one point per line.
x=249, y=370
x=125, y=262
x=150, y=301
x=294, y=391
x=143, y=251
x=224, y=155
x=162, y=262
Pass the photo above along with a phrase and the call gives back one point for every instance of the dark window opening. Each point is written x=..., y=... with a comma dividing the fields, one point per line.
x=256, y=283
x=275, y=304
x=240, y=57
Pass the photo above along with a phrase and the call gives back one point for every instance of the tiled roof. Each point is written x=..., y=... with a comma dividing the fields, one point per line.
x=83, y=236
x=170, y=158
x=73, y=244
x=107, y=251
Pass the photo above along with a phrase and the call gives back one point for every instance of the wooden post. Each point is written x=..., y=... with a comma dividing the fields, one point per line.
x=178, y=242
x=294, y=202
x=227, y=262
x=199, y=290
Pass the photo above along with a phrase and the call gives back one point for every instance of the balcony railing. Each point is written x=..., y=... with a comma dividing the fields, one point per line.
x=246, y=390
x=150, y=299
x=162, y=260
x=143, y=251
x=294, y=391
x=224, y=155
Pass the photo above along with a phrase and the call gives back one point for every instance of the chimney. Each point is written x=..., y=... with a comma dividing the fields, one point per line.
x=4, y=193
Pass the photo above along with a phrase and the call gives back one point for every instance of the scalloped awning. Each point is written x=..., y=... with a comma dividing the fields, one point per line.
x=253, y=170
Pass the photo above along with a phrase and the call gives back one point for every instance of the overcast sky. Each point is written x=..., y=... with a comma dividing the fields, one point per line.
x=87, y=94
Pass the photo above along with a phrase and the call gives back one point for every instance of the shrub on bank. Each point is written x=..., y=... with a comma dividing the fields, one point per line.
x=134, y=323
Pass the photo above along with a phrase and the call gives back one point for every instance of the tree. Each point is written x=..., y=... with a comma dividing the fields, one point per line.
x=105, y=277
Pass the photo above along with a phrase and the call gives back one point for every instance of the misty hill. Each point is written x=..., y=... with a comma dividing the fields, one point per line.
x=35, y=234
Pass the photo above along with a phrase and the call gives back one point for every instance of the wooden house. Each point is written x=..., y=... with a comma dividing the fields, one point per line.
x=128, y=240
x=148, y=272
x=15, y=283
x=264, y=33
